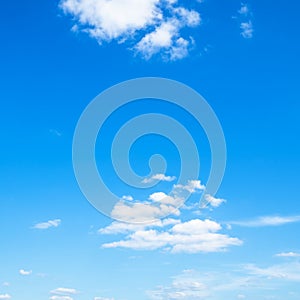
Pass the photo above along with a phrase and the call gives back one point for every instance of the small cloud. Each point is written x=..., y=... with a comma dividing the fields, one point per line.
x=247, y=29
x=192, y=186
x=159, y=177
x=5, y=296
x=241, y=296
x=6, y=284
x=56, y=297
x=127, y=198
x=244, y=10
x=48, y=224
x=103, y=298
x=55, y=132
x=63, y=293
x=288, y=254
x=25, y=273
x=214, y=202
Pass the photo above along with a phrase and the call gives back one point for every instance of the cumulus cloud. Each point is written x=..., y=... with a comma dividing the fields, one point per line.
x=25, y=273
x=189, y=237
x=159, y=177
x=5, y=296
x=151, y=26
x=48, y=224
x=267, y=221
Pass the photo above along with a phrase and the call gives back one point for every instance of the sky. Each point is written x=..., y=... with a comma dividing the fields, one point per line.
x=165, y=237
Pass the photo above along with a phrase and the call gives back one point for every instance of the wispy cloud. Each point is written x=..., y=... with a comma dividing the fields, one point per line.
x=24, y=272
x=48, y=224
x=5, y=296
x=62, y=293
x=159, y=177
x=150, y=26
x=288, y=254
x=267, y=221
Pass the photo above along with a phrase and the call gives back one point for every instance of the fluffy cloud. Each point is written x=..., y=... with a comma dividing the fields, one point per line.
x=153, y=26
x=5, y=296
x=159, y=177
x=189, y=237
x=25, y=273
x=48, y=224
x=267, y=221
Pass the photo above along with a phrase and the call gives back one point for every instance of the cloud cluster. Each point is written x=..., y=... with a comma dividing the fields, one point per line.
x=152, y=26
x=246, y=24
x=193, y=236
x=157, y=206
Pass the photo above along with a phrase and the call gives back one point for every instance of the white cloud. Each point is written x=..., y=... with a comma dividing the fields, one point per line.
x=159, y=177
x=192, y=186
x=288, y=254
x=25, y=273
x=247, y=29
x=127, y=198
x=152, y=26
x=123, y=227
x=139, y=212
x=48, y=224
x=190, y=237
x=64, y=291
x=5, y=296
x=103, y=298
x=244, y=10
x=214, y=202
x=267, y=221
x=56, y=297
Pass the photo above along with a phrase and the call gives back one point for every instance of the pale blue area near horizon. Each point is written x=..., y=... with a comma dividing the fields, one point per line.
x=49, y=74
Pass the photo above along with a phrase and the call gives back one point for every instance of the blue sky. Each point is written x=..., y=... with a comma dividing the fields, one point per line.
x=243, y=58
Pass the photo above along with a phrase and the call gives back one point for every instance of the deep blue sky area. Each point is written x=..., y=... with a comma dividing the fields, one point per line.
x=53, y=242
